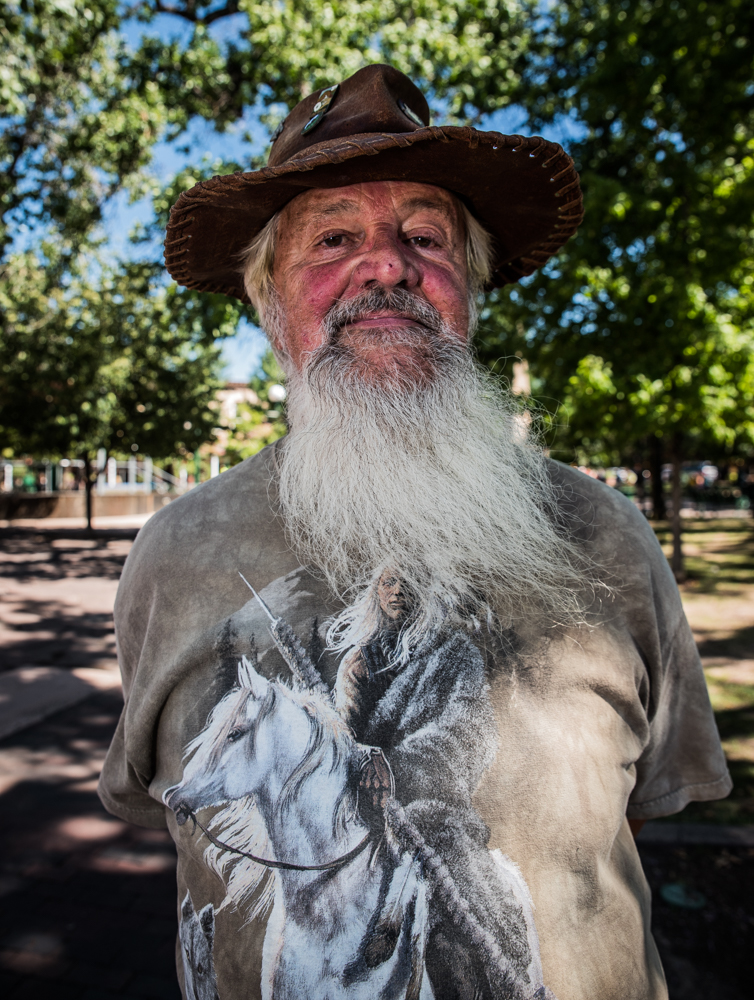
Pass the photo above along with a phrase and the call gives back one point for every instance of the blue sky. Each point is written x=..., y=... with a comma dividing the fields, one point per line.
x=248, y=138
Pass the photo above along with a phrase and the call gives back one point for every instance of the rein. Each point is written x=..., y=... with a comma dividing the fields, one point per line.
x=284, y=865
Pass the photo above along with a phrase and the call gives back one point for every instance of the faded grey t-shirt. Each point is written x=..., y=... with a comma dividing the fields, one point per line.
x=507, y=868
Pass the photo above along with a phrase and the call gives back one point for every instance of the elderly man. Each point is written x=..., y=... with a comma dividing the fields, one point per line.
x=482, y=644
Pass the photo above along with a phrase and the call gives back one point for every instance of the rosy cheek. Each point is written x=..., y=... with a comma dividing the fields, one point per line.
x=448, y=294
x=322, y=287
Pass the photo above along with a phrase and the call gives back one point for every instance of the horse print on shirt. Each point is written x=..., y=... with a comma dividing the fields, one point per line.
x=417, y=907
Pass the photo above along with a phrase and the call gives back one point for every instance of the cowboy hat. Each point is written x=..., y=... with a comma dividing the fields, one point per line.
x=375, y=126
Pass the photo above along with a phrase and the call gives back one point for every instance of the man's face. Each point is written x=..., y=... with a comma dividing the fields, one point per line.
x=336, y=244
x=390, y=596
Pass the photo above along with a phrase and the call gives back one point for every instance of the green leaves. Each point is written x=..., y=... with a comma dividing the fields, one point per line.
x=77, y=124
x=116, y=363
x=256, y=424
x=640, y=327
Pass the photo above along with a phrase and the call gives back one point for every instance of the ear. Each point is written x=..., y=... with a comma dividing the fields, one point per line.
x=248, y=678
x=207, y=921
x=187, y=908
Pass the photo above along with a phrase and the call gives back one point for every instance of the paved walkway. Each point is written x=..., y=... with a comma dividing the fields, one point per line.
x=88, y=902
x=77, y=523
x=56, y=596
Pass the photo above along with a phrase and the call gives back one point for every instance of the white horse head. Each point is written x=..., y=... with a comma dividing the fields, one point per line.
x=280, y=762
x=259, y=738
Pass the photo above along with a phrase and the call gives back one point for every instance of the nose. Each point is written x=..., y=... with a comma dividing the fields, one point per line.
x=180, y=806
x=386, y=260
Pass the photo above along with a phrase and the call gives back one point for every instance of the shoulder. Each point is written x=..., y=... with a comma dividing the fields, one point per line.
x=200, y=524
x=623, y=548
x=186, y=559
x=597, y=514
x=242, y=496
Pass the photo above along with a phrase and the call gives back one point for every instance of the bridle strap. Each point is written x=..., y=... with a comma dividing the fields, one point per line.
x=284, y=865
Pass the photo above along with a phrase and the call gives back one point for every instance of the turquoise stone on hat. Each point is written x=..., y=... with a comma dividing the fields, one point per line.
x=321, y=108
x=312, y=123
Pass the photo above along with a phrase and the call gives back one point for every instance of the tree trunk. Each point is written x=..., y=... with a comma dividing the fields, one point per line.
x=88, y=486
x=655, y=467
x=676, y=562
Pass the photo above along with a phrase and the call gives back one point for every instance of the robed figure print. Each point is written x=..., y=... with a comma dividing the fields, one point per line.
x=346, y=819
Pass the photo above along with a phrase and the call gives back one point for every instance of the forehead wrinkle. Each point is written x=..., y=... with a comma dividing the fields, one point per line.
x=416, y=203
x=344, y=205
x=420, y=202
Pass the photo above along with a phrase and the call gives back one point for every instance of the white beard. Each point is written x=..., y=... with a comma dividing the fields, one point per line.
x=427, y=472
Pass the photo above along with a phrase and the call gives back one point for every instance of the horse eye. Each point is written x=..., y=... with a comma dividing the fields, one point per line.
x=235, y=734
x=199, y=968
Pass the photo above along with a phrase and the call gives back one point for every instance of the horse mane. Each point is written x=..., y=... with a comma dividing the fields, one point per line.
x=327, y=731
x=248, y=886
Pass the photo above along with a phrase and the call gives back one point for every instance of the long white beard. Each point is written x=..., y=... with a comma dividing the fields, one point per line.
x=427, y=473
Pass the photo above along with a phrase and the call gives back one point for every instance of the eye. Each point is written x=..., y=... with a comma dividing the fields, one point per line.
x=200, y=968
x=420, y=241
x=335, y=240
x=235, y=734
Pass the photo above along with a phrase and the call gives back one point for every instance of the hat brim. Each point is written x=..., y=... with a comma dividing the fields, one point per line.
x=524, y=190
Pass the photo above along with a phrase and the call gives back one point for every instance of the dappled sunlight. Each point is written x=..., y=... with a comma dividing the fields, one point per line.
x=57, y=599
x=92, y=897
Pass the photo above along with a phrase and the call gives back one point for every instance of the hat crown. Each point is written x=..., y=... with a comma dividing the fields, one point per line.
x=377, y=98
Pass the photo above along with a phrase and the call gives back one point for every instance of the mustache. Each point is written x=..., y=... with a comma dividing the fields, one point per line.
x=380, y=299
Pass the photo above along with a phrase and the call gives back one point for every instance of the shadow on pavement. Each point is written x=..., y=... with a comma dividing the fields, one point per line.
x=88, y=902
x=57, y=597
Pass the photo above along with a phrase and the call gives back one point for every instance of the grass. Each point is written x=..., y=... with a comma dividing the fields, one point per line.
x=718, y=597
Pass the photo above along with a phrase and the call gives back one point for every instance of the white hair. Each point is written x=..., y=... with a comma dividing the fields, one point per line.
x=426, y=470
x=258, y=261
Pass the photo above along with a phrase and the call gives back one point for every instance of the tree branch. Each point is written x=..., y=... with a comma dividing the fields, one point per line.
x=188, y=12
x=230, y=8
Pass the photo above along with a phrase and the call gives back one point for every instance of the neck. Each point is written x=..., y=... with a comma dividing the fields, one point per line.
x=318, y=824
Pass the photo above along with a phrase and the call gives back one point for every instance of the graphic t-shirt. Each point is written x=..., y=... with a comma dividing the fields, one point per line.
x=453, y=828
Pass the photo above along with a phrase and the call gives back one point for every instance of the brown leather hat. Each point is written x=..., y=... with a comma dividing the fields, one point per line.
x=375, y=126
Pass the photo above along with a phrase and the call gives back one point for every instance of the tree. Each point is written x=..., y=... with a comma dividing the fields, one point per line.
x=647, y=332
x=82, y=111
x=120, y=363
x=80, y=117
x=465, y=52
